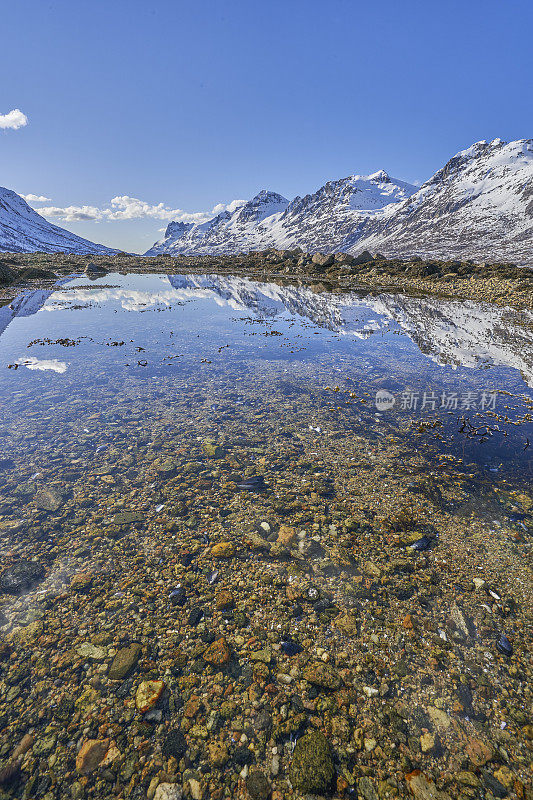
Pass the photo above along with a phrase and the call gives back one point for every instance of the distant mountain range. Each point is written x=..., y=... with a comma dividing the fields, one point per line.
x=23, y=230
x=319, y=222
x=479, y=205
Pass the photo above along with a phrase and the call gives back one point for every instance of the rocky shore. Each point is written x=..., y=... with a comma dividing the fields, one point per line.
x=502, y=284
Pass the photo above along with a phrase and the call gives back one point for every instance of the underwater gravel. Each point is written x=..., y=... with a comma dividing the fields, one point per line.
x=241, y=606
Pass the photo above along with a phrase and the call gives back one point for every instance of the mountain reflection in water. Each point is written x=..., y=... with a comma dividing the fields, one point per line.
x=449, y=332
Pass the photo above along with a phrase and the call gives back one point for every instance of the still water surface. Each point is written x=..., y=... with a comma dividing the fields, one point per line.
x=463, y=368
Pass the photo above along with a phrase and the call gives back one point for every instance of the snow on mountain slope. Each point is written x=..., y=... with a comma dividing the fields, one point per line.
x=319, y=221
x=23, y=230
x=26, y=304
x=463, y=334
x=458, y=334
x=479, y=205
x=244, y=229
x=449, y=332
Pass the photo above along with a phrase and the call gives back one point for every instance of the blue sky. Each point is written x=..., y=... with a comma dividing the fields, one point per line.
x=187, y=105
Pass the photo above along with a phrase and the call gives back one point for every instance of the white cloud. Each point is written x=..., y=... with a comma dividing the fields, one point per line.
x=35, y=198
x=73, y=213
x=122, y=208
x=15, y=119
x=231, y=207
x=44, y=364
x=125, y=207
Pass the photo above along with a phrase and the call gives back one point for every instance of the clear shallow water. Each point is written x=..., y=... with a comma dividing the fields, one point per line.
x=134, y=410
x=224, y=343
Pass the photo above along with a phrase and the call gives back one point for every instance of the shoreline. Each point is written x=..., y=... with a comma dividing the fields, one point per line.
x=499, y=284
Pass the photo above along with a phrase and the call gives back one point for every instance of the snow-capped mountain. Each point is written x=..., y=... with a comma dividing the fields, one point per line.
x=479, y=205
x=319, y=221
x=23, y=230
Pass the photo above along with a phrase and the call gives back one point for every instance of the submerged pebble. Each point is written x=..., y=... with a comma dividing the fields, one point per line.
x=504, y=646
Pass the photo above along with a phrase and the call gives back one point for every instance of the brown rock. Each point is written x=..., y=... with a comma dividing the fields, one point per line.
x=422, y=788
x=112, y=754
x=218, y=754
x=347, y=623
x=322, y=260
x=91, y=755
x=322, y=675
x=26, y=636
x=286, y=535
x=124, y=661
x=344, y=258
x=478, y=752
x=48, y=499
x=148, y=693
x=81, y=582
x=505, y=776
x=26, y=743
x=223, y=550
x=192, y=706
x=224, y=600
x=218, y=653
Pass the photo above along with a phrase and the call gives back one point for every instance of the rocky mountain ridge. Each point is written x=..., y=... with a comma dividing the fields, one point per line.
x=316, y=222
x=478, y=206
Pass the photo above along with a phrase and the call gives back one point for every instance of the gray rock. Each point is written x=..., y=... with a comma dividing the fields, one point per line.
x=344, y=258
x=92, y=651
x=21, y=577
x=7, y=275
x=322, y=260
x=168, y=791
x=312, y=767
x=366, y=789
x=175, y=744
x=125, y=660
x=95, y=269
x=257, y=785
x=363, y=258
x=263, y=721
x=48, y=499
x=462, y=622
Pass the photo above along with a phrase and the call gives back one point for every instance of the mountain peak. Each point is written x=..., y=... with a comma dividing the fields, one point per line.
x=266, y=196
x=478, y=205
x=263, y=205
x=379, y=177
